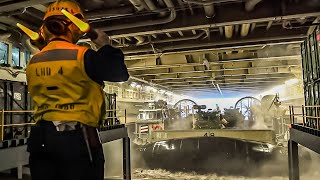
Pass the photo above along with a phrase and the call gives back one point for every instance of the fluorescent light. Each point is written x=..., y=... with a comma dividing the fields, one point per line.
x=292, y=82
x=133, y=84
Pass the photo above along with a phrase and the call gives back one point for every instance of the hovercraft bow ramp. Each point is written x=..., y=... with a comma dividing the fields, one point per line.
x=264, y=135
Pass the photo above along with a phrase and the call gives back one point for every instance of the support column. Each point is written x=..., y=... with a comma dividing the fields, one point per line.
x=126, y=159
x=20, y=171
x=293, y=160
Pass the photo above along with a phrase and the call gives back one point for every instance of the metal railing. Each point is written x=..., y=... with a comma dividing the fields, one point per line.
x=3, y=125
x=115, y=116
x=309, y=116
x=110, y=120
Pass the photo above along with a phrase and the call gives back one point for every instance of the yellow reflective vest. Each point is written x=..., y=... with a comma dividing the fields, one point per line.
x=60, y=88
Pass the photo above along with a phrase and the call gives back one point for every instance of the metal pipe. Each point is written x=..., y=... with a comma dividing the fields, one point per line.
x=226, y=75
x=245, y=29
x=249, y=6
x=2, y=125
x=27, y=44
x=21, y=4
x=33, y=15
x=249, y=82
x=222, y=49
x=269, y=25
x=137, y=4
x=165, y=20
x=140, y=39
x=209, y=10
x=183, y=46
x=228, y=84
x=207, y=5
x=179, y=39
x=153, y=8
x=228, y=31
x=253, y=26
x=207, y=2
x=216, y=25
x=219, y=70
x=222, y=80
x=276, y=58
x=104, y=14
x=5, y=36
x=218, y=87
x=147, y=82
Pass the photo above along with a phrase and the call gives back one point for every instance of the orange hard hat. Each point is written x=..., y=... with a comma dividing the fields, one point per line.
x=55, y=8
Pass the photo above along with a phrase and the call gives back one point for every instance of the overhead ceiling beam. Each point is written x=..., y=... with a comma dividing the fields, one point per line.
x=235, y=16
x=21, y=4
x=223, y=80
x=278, y=58
x=212, y=87
x=12, y=21
x=224, y=88
x=227, y=75
x=265, y=86
x=215, y=50
x=275, y=34
x=214, y=91
x=220, y=70
x=222, y=83
x=40, y=7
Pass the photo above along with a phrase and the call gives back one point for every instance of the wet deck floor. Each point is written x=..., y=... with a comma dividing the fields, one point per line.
x=147, y=174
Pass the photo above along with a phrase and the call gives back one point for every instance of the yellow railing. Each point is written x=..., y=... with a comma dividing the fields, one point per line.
x=309, y=115
x=3, y=125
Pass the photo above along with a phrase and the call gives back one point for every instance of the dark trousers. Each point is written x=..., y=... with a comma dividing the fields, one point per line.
x=56, y=155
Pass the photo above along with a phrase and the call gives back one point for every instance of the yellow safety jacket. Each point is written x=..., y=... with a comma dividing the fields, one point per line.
x=60, y=88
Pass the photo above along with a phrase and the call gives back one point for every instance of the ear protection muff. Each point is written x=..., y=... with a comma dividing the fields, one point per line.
x=57, y=26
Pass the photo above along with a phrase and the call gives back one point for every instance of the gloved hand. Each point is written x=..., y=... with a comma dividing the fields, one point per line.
x=40, y=44
x=103, y=39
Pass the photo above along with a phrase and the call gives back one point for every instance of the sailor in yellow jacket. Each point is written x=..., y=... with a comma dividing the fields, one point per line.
x=65, y=82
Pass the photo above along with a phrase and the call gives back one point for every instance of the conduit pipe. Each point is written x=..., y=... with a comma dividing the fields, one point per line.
x=5, y=36
x=207, y=5
x=139, y=39
x=137, y=4
x=208, y=2
x=228, y=31
x=209, y=10
x=244, y=29
x=27, y=44
x=103, y=14
x=251, y=4
x=174, y=40
x=165, y=20
x=153, y=8
x=180, y=39
x=295, y=38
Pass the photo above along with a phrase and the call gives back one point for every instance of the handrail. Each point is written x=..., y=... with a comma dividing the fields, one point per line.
x=308, y=120
x=2, y=125
x=306, y=106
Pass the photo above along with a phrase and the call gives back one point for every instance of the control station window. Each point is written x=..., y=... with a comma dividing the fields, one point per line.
x=15, y=56
x=4, y=53
x=27, y=57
